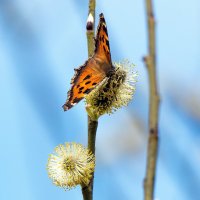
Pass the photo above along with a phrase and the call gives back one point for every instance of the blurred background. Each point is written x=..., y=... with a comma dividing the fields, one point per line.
x=41, y=42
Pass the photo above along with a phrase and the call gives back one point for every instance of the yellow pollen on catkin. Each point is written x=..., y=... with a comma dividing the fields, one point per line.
x=114, y=92
x=70, y=165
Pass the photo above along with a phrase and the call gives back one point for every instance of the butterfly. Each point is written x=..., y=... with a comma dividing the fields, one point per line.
x=95, y=69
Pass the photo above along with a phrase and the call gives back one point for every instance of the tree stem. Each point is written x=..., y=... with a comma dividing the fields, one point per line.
x=87, y=191
x=152, y=151
x=90, y=33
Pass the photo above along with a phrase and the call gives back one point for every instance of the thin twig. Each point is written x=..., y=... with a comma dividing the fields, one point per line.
x=150, y=61
x=90, y=32
x=87, y=191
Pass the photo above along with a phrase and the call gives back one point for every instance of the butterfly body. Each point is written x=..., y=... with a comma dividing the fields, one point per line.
x=95, y=69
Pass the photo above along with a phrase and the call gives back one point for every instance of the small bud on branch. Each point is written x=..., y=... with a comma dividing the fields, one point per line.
x=90, y=23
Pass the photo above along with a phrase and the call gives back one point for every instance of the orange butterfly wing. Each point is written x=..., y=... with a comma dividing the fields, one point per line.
x=84, y=80
x=102, y=47
x=93, y=71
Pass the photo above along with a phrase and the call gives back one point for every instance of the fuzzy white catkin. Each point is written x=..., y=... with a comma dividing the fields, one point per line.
x=114, y=92
x=71, y=165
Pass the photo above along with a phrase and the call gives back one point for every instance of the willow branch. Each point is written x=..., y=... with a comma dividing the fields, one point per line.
x=150, y=61
x=87, y=191
x=90, y=28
